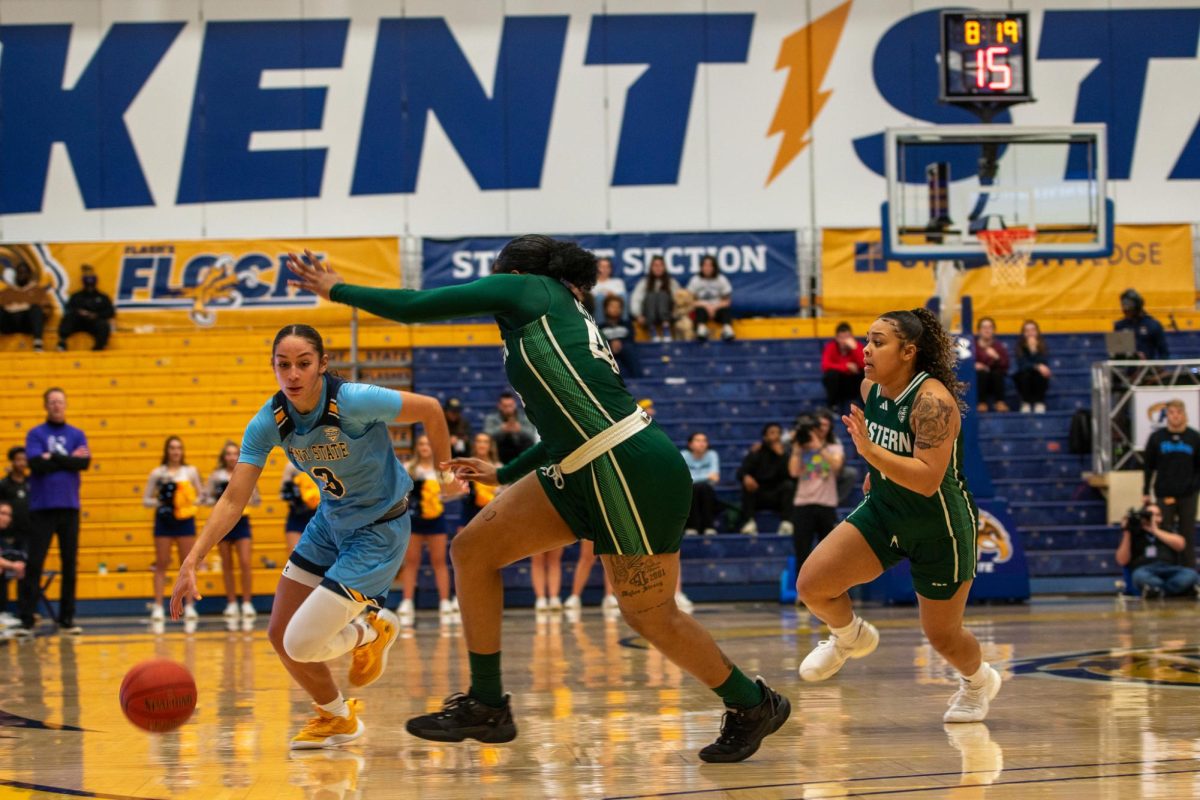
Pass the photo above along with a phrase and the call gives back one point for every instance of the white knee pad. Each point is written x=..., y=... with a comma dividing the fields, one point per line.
x=319, y=630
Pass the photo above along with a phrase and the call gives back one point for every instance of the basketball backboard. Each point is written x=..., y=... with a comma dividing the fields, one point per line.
x=948, y=182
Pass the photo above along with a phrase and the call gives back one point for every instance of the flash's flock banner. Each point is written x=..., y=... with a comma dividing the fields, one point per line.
x=204, y=283
x=761, y=265
x=1155, y=259
x=122, y=119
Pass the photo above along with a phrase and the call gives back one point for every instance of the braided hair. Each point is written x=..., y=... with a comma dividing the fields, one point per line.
x=536, y=254
x=937, y=352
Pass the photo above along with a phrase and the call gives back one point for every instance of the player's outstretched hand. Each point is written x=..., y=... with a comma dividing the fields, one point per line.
x=473, y=469
x=185, y=588
x=312, y=274
x=856, y=426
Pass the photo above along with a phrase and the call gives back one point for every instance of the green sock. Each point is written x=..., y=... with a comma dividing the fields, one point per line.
x=739, y=691
x=485, y=678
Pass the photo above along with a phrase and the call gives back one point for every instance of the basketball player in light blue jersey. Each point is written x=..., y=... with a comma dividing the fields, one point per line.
x=352, y=548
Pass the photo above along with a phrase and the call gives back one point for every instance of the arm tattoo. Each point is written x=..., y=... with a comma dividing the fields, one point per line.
x=932, y=420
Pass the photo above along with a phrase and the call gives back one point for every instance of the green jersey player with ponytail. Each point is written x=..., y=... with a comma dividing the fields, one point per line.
x=917, y=507
x=603, y=471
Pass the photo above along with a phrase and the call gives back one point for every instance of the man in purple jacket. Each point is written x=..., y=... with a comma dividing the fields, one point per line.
x=57, y=453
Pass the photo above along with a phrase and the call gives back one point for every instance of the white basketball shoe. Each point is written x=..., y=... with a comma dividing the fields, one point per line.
x=970, y=703
x=830, y=654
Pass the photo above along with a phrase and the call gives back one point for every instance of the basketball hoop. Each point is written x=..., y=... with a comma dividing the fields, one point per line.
x=1009, y=251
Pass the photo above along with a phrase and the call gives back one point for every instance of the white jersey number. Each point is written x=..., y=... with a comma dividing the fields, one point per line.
x=596, y=340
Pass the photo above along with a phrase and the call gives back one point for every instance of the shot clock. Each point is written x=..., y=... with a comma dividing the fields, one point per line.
x=985, y=57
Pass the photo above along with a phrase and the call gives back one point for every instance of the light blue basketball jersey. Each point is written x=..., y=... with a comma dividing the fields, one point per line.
x=343, y=445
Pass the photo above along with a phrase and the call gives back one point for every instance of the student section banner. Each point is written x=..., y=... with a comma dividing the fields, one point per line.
x=200, y=283
x=1156, y=259
x=761, y=265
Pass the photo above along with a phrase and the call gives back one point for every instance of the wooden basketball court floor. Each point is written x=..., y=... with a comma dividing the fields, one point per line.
x=1098, y=702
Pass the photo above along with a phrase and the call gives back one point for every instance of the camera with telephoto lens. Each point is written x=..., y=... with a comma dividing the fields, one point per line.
x=805, y=425
x=1138, y=519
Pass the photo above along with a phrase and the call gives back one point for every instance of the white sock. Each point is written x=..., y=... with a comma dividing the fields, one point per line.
x=848, y=633
x=337, y=706
x=979, y=678
x=368, y=632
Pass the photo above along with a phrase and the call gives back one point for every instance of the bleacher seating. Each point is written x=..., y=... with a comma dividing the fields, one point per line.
x=204, y=386
x=730, y=390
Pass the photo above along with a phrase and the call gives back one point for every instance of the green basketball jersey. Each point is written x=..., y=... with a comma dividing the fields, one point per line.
x=561, y=366
x=951, y=508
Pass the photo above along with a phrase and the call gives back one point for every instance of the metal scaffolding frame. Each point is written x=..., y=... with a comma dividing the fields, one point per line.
x=1113, y=385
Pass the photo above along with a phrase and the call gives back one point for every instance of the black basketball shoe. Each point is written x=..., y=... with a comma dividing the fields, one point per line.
x=464, y=717
x=743, y=729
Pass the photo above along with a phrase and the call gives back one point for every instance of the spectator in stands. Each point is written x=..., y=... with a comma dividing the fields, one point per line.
x=814, y=464
x=620, y=337
x=237, y=539
x=88, y=310
x=57, y=454
x=430, y=531
x=14, y=490
x=653, y=300
x=21, y=307
x=480, y=494
x=714, y=299
x=705, y=466
x=1149, y=337
x=1033, y=369
x=765, y=482
x=991, y=366
x=12, y=563
x=842, y=369
x=172, y=490
x=847, y=475
x=606, y=286
x=1152, y=552
x=509, y=428
x=460, y=428
x=303, y=496
x=1171, y=464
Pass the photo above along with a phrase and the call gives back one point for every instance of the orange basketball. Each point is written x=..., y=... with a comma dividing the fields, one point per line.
x=158, y=695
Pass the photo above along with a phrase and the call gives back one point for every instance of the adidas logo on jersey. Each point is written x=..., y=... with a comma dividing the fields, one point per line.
x=883, y=406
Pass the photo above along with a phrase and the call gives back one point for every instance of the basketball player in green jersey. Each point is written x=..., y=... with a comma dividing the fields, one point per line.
x=603, y=470
x=917, y=506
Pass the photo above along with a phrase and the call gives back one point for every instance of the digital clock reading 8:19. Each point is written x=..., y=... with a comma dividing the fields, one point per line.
x=984, y=57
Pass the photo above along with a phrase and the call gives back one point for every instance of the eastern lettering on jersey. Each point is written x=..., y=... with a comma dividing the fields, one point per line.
x=320, y=452
x=895, y=441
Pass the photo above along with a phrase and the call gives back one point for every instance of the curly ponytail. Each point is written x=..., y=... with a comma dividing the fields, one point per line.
x=536, y=254
x=937, y=352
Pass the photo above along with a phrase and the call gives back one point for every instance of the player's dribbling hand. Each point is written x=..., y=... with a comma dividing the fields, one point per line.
x=185, y=588
x=473, y=469
x=312, y=274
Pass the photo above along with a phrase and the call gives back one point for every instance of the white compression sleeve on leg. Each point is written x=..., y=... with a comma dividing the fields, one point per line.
x=322, y=627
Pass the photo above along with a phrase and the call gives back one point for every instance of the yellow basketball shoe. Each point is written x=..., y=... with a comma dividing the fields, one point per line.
x=370, y=659
x=327, y=730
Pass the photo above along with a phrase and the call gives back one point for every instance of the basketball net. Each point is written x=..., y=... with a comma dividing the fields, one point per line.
x=1009, y=251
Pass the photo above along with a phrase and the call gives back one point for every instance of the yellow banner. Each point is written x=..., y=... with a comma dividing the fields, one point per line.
x=1154, y=259
x=198, y=283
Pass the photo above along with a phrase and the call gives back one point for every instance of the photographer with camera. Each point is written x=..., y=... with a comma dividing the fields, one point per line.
x=814, y=463
x=1153, y=555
